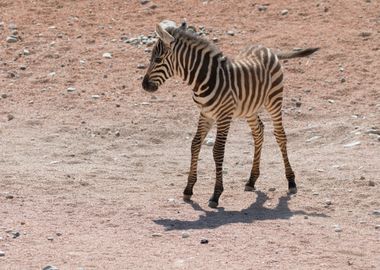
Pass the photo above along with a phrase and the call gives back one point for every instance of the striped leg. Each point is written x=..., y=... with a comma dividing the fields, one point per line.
x=204, y=125
x=223, y=126
x=257, y=128
x=280, y=135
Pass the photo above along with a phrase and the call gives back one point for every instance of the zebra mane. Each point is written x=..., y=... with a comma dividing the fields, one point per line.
x=190, y=36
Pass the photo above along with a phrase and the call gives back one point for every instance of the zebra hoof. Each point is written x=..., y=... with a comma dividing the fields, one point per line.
x=212, y=204
x=186, y=197
x=249, y=188
x=292, y=190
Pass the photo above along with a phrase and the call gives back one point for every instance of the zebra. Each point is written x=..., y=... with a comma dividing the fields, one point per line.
x=223, y=89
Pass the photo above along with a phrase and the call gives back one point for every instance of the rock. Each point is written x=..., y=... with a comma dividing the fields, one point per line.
x=377, y=227
x=71, y=89
x=272, y=189
x=2, y=253
x=352, y=144
x=209, y=141
x=298, y=104
x=50, y=267
x=117, y=133
x=371, y=183
x=231, y=33
x=107, y=55
x=204, y=241
x=373, y=131
x=156, y=234
x=362, y=177
x=141, y=66
x=185, y=235
x=305, y=217
x=338, y=228
x=26, y=52
x=313, y=138
x=9, y=197
x=15, y=234
x=10, y=117
x=376, y=213
x=284, y=12
x=331, y=101
x=23, y=67
x=95, y=96
x=262, y=8
x=4, y=95
x=12, y=39
x=215, y=39
x=143, y=2
x=328, y=202
x=50, y=238
x=365, y=34
x=342, y=80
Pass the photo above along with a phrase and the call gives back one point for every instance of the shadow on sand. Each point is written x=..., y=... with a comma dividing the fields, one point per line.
x=215, y=219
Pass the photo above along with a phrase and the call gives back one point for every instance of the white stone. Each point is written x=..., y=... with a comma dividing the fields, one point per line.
x=71, y=89
x=185, y=235
x=352, y=144
x=107, y=55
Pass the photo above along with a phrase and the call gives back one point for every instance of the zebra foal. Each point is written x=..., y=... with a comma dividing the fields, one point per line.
x=223, y=89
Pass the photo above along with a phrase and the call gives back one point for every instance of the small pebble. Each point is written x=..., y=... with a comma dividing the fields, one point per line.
x=371, y=183
x=185, y=235
x=141, y=66
x=262, y=8
x=272, y=189
x=95, y=96
x=26, y=52
x=315, y=193
x=376, y=212
x=143, y=2
x=9, y=197
x=107, y=55
x=352, y=144
x=328, y=202
x=377, y=227
x=331, y=101
x=23, y=67
x=306, y=217
x=2, y=253
x=50, y=238
x=15, y=234
x=284, y=12
x=338, y=228
x=4, y=95
x=10, y=117
x=50, y=267
x=209, y=141
x=12, y=39
x=71, y=89
x=204, y=241
x=231, y=33
x=342, y=80
x=156, y=234
x=117, y=133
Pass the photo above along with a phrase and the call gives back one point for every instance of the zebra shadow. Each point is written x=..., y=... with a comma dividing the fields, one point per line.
x=255, y=212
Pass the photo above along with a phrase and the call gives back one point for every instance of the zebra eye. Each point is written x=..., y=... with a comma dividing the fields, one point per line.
x=157, y=59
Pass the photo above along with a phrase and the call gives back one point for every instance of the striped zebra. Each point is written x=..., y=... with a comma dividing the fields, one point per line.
x=223, y=89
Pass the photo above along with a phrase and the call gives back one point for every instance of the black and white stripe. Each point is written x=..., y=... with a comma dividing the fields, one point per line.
x=223, y=89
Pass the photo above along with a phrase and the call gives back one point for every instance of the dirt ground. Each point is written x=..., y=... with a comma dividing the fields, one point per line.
x=93, y=178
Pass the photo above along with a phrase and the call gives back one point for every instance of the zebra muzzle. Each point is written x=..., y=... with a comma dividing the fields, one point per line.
x=149, y=85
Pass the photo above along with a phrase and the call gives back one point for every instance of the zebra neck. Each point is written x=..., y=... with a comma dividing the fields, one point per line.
x=197, y=65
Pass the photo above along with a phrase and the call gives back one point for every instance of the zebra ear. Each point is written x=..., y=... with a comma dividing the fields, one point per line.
x=183, y=25
x=163, y=34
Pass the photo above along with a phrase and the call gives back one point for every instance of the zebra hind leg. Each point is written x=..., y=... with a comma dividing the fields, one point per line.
x=204, y=126
x=223, y=126
x=280, y=135
x=257, y=128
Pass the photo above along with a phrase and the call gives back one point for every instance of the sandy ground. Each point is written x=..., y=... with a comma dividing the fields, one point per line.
x=93, y=178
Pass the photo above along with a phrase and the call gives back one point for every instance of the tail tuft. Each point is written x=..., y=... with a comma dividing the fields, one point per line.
x=300, y=53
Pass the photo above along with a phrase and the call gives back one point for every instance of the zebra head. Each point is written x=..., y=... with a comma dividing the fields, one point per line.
x=161, y=63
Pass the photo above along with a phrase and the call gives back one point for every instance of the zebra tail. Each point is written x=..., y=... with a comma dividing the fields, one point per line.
x=300, y=53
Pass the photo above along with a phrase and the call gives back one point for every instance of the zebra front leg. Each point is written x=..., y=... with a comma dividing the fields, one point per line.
x=204, y=125
x=257, y=128
x=280, y=135
x=223, y=126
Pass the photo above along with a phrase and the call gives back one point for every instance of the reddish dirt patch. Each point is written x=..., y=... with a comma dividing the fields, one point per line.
x=66, y=174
